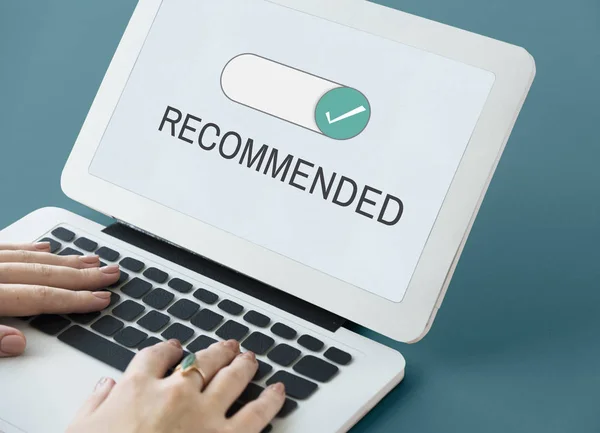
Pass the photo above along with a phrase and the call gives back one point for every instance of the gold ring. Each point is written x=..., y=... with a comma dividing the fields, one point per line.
x=189, y=364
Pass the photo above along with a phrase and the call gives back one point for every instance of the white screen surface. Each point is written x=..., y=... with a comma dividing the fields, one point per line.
x=422, y=110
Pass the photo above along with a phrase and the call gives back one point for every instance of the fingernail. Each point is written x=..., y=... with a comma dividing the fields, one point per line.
x=175, y=342
x=101, y=383
x=90, y=260
x=278, y=388
x=12, y=345
x=249, y=355
x=111, y=269
x=42, y=246
x=232, y=344
x=102, y=295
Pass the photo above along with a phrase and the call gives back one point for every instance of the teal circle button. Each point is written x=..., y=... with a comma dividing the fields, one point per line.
x=342, y=113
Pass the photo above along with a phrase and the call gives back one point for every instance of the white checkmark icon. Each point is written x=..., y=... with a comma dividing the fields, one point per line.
x=351, y=113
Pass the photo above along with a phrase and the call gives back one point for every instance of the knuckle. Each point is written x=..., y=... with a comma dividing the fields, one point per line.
x=42, y=292
x=43, y=270
x=24, y=256
x=89, y=273
x=136, y=379
x=235, y=374
x=258, y=414
x=176, y=393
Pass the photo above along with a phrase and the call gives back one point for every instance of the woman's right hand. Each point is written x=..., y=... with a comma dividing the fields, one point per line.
x=145, y=401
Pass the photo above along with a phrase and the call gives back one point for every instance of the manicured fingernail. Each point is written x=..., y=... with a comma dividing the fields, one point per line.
x=101, y=383
x=102, y=295
x=278, y=387
x=42, y=246
x=12, y=345
x=90, y=260
x=111, y=269
x=175, y=342
x=249, y=355
x=232, y=344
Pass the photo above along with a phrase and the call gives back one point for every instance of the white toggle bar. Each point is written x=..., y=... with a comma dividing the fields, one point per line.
x=275, y=89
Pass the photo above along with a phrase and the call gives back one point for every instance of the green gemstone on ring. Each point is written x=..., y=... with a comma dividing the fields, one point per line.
x=188, y=361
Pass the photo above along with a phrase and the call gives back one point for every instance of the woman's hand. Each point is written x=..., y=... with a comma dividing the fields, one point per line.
x=145, y=401
x=33, y=281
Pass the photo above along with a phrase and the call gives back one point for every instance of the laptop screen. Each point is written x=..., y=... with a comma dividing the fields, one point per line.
x=328, y=145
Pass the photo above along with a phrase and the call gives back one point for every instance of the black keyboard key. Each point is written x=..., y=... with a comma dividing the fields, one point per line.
x=180, y=285
x=132, y=264
x=50, y=324
x=232, y=331
x=70, y=252
x=158, y=298
x=156, y=275
x=267, y=429
x=235, y=407
x=178, y=331
x=283, y=331
x=114, y=299
x=150, y=341
x=316, y=369
x=102, y=264
x=130, y=337
x=311, y=343
x=154, y=321
x=108, y=254
x=86, y=244
x=257, y=319
x=251, y=393
x=200, y=343
x=288, y=407
x=128, y=310
x=136, y=288
x=97, y=347
x=54, y=245
x=63, y=234
x=295, y=387
x=284, y=354
x=338, y=356
x=107, y=325
x=263, y=370
x=85, y=318
x=207, y=320
x=206, y=296
x=123, y=276
x=183, y=309
x=258, y=343
x=231, y=307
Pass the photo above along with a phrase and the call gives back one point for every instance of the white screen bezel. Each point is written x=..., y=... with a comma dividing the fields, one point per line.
x=404, y=321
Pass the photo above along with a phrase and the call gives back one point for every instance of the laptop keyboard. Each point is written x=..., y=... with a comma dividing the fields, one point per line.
x=148, y=305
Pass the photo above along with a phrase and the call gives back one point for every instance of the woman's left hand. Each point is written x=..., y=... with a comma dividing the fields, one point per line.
x=33, y=281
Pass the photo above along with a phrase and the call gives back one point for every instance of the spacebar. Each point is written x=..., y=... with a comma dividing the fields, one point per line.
x=97, y=347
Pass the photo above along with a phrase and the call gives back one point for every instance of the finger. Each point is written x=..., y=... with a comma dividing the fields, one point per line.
x=100, y=393
x=58, y=276
x=25, y=256
x=230, y=381
x=256, y=415
x=12, y=342
x=28, y=300
x=210, y=361
x=39, y=246
x=155, y=361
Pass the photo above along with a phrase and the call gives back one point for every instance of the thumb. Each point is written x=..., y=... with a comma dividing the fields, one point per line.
x=101, y=392
x=12, y=342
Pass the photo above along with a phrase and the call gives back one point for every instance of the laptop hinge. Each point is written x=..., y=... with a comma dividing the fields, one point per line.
x=213, y=270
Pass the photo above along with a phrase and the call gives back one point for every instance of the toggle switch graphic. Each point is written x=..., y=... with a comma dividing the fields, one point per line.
x=311, y=102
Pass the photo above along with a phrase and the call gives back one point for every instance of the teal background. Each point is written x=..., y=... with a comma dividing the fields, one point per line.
x=515, y=347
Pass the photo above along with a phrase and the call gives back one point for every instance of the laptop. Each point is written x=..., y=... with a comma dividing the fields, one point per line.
x=275, y=170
